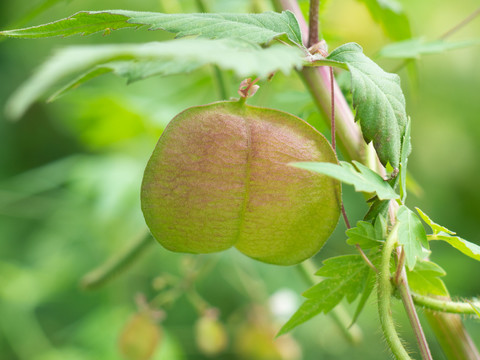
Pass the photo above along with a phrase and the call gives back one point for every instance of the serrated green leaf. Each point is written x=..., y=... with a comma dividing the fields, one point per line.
x=425, y=279
x=378, y=100
x=244, y=58
x=406, y=150
x=365, y=235
x=308, y=310
x=433, y=225
x=411, y=234
x=361, y=177
x=257, y=28
x=390, y=15
x=345, y=277
x=470, y=249
x=414, y=48
x=367, y=291
x=82, y=23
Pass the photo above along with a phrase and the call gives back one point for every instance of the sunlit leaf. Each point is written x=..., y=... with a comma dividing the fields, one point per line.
x=433, y=225
x=414, y=48
x=361, y=177
x=345, y=277
x=83, y=23
x=378, y=100
x=470, y=249
x=245, y=59
x=411, y=234
x=257, y=28
x=425, y=279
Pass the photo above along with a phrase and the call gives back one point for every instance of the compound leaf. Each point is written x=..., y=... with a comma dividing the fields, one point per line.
x=257, y=28
x=378, y=100
x=361, y=177
x=345, y=277
x=244, y=58
x=411, y=234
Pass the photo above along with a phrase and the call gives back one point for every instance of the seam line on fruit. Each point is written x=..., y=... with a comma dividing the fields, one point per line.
x=248, y=169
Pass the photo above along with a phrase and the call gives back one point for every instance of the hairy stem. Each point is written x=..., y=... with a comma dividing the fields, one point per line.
x=444, y=305
x=384, y=293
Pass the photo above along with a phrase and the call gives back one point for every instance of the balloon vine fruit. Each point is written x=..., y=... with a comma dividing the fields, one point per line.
x=219, y=177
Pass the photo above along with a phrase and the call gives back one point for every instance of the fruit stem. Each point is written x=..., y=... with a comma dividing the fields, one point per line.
x=247, y=88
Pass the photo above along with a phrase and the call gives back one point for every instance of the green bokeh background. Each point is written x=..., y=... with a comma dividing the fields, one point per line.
x=70, y=175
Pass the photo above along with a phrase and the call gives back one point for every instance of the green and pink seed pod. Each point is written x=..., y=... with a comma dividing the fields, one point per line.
x=220, y=177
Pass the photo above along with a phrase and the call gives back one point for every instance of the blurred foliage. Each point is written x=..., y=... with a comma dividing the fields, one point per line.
x=70, y=175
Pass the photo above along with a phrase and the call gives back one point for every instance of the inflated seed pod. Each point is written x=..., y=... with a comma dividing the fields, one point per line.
x=219, y=177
